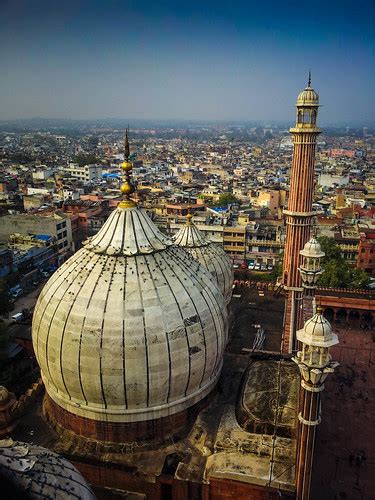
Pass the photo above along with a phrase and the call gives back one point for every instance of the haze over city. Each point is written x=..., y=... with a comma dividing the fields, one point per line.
x=185, y=60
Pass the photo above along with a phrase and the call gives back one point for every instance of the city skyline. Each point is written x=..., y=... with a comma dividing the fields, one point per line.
x=188, y=62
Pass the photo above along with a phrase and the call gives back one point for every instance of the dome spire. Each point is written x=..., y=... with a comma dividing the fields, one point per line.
x=189, y=217
x=127, y=148
x=309, y=80
x=127, y=188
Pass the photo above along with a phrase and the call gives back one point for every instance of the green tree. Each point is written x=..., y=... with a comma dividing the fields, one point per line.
x=227, y=199
x=85, y=159
x=337, y=272
x=329, y=247
x=359, y=278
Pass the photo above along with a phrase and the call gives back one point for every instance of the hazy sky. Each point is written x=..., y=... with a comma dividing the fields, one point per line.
x=219, y=60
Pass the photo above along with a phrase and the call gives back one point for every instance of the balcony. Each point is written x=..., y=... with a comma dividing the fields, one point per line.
x=265, y=243
x=239, y=239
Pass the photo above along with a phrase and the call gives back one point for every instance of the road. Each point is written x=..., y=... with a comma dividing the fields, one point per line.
x=27, y=301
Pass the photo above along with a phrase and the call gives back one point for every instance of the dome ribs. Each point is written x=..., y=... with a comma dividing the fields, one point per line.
x=144, y=335
x=171, y=288
x=76, y=278
x=55, y=278
x=201, y=325
x=123, y=335
x=209, y=255
x=209, y=307
x=136, y=327
x=149, y=257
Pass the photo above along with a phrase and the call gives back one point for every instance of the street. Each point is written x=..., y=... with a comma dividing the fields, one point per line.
x=27, y=301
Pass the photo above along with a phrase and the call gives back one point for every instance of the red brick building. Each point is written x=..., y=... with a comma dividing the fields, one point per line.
x=366, y=251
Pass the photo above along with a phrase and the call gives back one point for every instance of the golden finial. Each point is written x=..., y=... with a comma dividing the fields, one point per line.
x=319, y=309
x=309, y=80
x=127, y=188
x=189, y=217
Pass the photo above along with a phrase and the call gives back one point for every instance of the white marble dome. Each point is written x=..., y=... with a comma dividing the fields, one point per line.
x=35, y=472
x=131, y=327
x=317, y=331
x=211, y=256
x=312, y=249
x=308, y=97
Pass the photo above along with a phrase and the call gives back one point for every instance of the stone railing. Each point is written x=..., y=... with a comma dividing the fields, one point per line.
x=359, y=291
x=256, y=285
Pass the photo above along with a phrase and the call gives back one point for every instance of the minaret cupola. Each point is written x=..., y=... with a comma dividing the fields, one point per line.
x=307, y=107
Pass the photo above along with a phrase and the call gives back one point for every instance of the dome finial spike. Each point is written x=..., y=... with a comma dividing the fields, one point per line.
x=309, y=80
x=127, y=148
x=127, y=188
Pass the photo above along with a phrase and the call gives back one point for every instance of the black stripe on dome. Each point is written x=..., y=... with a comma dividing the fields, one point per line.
x=167, y=263
x=144, y=331
x=81, y=285
x=193, y=277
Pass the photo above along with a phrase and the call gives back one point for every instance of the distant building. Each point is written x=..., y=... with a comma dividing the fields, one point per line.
x=86, y=173
x=8, y=183
x=54, y=224
x=336, y=153
x=327, y=180
x=32, y=254
x=366, y=251
x=42, y=173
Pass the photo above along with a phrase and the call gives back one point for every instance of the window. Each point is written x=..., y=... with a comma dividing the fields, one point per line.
x=65, y=243
x=59, y=236
x=64, y=234
x=63, y=224
x=60, y=246
x=58, y=227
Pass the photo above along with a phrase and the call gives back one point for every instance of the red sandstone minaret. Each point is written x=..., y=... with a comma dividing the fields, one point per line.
x=299, y=214
x=315, y=364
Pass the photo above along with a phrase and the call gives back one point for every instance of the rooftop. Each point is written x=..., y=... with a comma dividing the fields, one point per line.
x=217, y=445
x=348, y=413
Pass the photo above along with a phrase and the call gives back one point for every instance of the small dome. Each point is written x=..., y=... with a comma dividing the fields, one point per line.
x=312, y=249
x=317, y=331
x=39, y=473
x=308, y=97
x=211, y=256
x=130, y=328
x=4, y=394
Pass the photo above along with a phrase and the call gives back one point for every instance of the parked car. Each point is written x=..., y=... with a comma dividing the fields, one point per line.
x=269, y=267
x=236, y=266
x=263, y=267
x=17, y=293
x=251, y=266
x=17, y=317
x=257, y=266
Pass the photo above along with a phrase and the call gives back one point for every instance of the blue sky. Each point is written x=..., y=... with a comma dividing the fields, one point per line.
x=186, y=60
